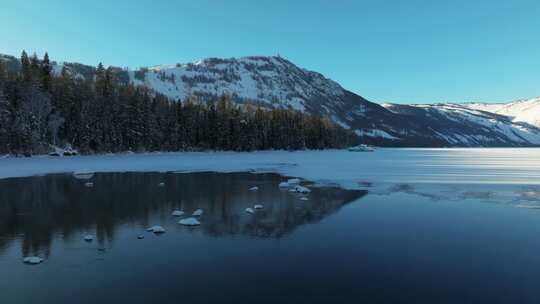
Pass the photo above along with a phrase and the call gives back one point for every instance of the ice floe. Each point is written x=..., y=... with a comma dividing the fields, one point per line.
x=32, y=260
x=177, y=213
x=190, y=221
x=156, y=229
x=293, y=181
x=301, y=189
x=198, y=212
x=83, y=174
x=88, y=238
x=258, y=207
x=140, y=236
x=250, y=210
x=254, y=188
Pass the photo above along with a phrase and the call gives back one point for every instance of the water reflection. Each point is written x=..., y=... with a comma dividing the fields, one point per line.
x=38, y=210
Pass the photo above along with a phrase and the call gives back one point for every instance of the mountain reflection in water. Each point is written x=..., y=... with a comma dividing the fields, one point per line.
x=36, y=210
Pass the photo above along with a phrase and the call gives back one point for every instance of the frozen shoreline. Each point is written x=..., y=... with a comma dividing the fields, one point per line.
x=505, y=169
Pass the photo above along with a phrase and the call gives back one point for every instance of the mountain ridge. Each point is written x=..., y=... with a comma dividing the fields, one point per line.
x=275, y=82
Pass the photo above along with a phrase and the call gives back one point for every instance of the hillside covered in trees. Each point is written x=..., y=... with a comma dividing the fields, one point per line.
x=40, y=111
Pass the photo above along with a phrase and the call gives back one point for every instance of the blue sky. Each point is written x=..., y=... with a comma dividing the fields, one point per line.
x=399, y=51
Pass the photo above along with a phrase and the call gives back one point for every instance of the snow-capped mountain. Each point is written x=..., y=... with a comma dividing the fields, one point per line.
x=275, y=82
x=526, y=110
x=470, y=124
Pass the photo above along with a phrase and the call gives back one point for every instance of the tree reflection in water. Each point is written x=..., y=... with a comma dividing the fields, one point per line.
x=37, y=210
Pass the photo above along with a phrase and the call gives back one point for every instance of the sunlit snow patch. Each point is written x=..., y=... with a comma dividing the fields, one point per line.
x=198, y=212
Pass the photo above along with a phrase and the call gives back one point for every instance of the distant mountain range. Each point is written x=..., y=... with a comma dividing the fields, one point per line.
x=275, y=82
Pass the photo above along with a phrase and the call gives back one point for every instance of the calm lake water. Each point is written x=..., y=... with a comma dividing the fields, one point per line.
x=338, y=246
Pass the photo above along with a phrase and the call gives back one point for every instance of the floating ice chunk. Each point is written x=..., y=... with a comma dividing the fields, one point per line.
x=198, y=212
x=301, y=189
x=162, y=184
x=32, y=260
x=284, y=185
x=83, y=174
x=293, y=181
x=89, y=184
x=190, y=221
x=156, y=229
x=177, y=213
x=256, y=207
x=255, y=188
x=140, y=236
x=88, y=238
x=303, y=198
x=250, y=210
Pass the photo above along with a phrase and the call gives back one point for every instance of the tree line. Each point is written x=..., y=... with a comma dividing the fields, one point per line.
x=40, y=110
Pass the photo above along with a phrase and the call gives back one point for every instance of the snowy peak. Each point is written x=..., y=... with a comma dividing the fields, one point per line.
x=475, y=124
x=525, y=110
x=271, y=81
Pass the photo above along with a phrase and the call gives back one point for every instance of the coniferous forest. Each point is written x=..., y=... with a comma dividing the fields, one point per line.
x=40, y=111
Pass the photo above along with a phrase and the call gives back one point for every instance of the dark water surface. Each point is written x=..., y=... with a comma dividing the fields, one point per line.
x=339, y=246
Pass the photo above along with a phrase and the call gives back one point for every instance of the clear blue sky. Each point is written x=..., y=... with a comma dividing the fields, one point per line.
x=400, y=51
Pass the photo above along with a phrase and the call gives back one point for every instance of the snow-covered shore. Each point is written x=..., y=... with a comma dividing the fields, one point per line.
x=502, y=175
x=478, y=166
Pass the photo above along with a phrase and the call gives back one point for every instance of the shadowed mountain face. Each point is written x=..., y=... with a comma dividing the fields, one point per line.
x=275, y=82
x=38, y=210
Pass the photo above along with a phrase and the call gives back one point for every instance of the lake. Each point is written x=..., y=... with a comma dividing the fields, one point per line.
x=372, y=246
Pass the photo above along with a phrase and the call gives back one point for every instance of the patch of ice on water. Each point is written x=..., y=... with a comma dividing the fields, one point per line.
x=258, y=206
x=254, y=188
x=156, y=229
x=88, y=238
x=177, y=213
x=250, y=210
x=32, y=260
x=190, y=221
x=83, y=174
x=284, y=185
x=198, y=212
x=301, y=189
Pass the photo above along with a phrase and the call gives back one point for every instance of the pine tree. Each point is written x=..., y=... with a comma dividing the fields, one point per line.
x=26, y=71
x=46, y=73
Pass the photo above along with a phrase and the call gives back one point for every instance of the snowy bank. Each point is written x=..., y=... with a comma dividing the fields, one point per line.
x=381, y=170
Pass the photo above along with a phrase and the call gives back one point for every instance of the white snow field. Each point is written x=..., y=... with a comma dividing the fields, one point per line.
x=383, y=170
